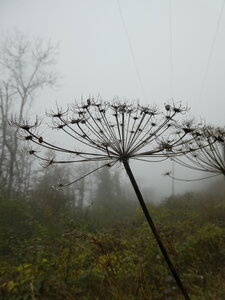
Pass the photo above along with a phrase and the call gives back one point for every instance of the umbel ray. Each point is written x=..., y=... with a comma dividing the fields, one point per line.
x=116, y=132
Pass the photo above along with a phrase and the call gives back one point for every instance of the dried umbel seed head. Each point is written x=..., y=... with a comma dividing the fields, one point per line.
x=187, y=130
x=167, y=107
x=168, y=173
x=31, y=152
x=205, y=152
x=61, y=126
x=166, y=146
x=25, y=127
x=28, y=137
x=113, y=132
x=58, y=115
x=74, y=121
x=177, y=109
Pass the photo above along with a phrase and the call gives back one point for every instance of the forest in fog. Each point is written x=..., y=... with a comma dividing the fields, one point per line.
x=90, y=239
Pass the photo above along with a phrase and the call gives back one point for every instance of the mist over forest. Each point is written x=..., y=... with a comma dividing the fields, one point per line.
x=112, y=150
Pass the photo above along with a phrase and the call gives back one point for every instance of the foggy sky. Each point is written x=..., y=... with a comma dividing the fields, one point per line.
x=95, y=56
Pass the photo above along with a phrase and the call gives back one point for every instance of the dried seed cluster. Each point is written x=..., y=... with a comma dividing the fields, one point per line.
x=211, y=154
x=117, y=131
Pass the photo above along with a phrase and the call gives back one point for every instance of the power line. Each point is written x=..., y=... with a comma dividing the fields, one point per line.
x=131, y=48
x=171, y=49
x=211, y=51
x=171, y=78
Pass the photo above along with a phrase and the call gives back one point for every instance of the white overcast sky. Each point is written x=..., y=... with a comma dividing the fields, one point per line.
x=99, y=55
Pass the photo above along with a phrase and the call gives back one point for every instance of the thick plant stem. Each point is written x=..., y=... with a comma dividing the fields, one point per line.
x=154, y=230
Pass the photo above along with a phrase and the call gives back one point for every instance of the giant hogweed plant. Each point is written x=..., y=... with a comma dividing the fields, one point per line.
x=113, y=133
x=205, y=153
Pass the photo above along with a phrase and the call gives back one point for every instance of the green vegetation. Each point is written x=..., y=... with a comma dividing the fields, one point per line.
x=50, y=250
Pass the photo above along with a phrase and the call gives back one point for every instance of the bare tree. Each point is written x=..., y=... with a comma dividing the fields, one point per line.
x=26, y=67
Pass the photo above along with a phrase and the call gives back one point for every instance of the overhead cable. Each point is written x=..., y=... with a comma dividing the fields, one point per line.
x=131, y=48
x=171, y=49
x=211, y=51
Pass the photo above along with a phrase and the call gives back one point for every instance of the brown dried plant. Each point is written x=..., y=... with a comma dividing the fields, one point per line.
x=117, y=132
x=205, y=152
